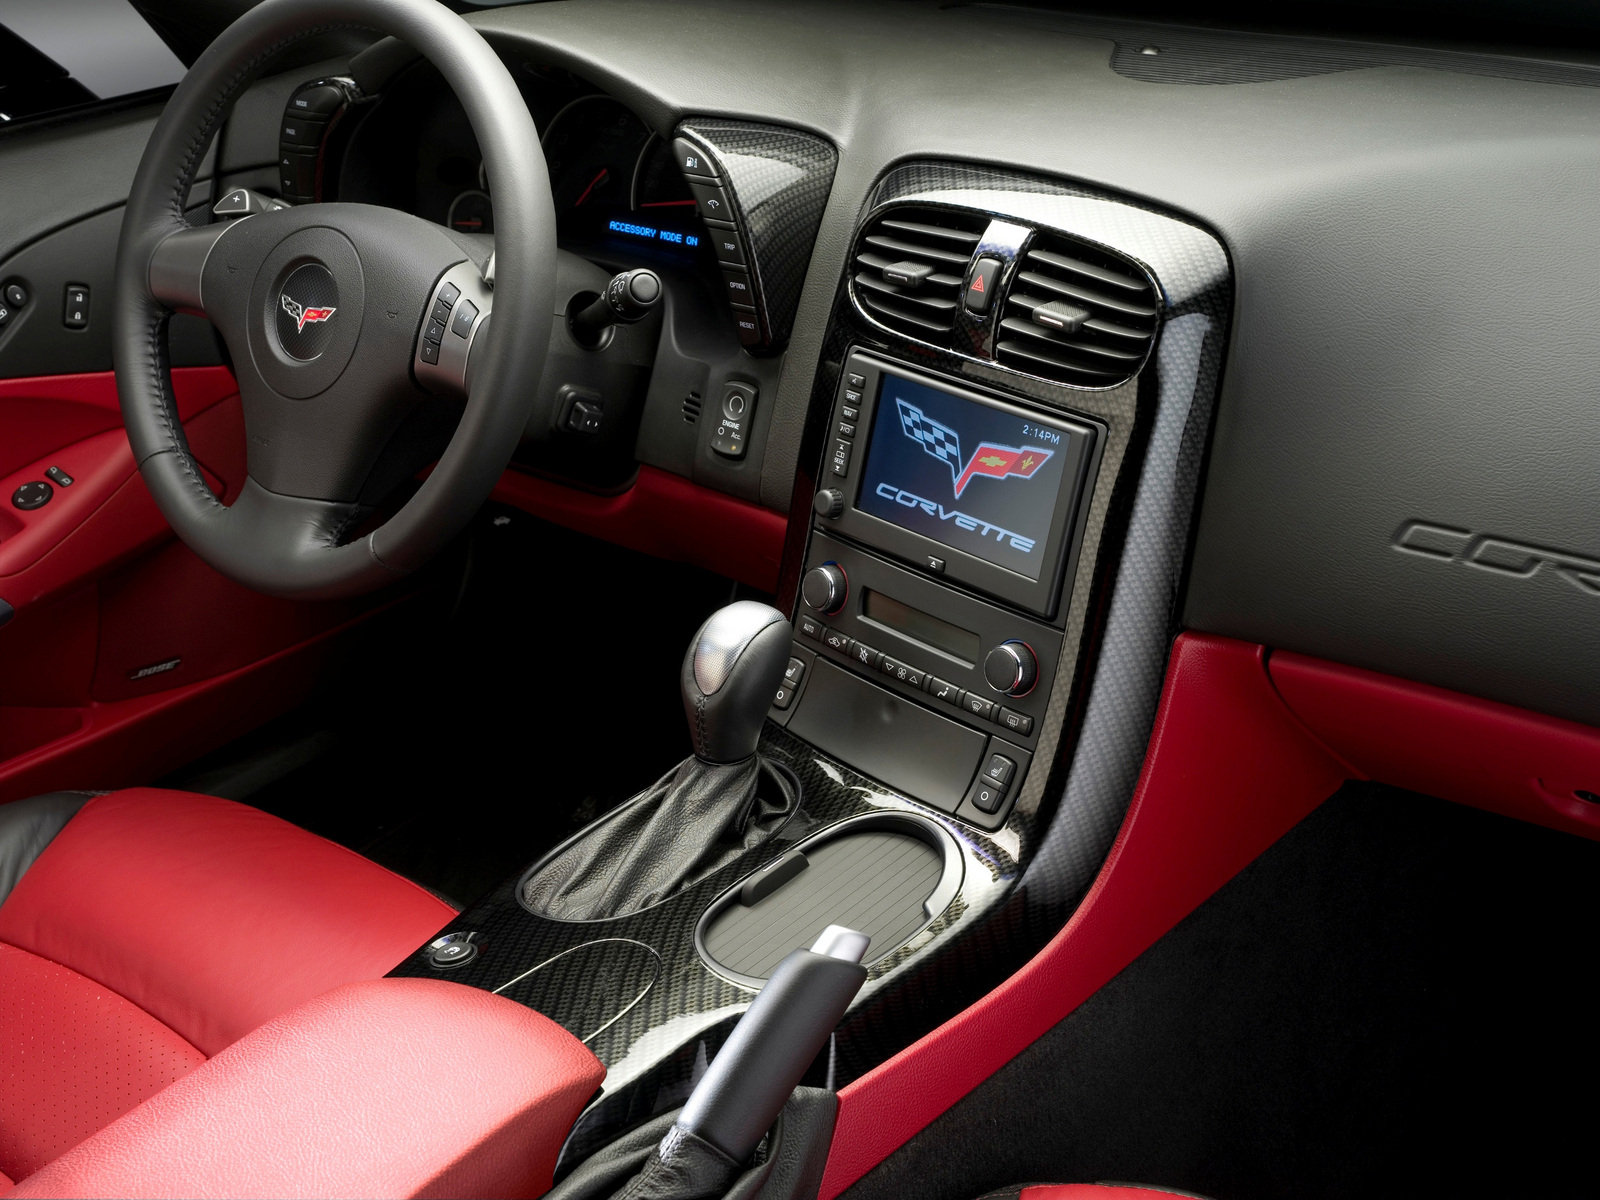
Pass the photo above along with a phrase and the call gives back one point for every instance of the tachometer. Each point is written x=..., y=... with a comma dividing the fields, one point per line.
x=591, y=147
x=471, y=212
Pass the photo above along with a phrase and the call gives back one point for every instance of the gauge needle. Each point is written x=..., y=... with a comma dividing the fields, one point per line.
x=666, y=203
x=593, y=183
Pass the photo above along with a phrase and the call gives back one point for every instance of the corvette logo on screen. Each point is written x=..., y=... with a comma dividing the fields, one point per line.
x=989, y=459
x=304, y=316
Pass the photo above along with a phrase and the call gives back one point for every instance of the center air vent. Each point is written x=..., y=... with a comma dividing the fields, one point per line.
x=1076, y=314
x=910, y=264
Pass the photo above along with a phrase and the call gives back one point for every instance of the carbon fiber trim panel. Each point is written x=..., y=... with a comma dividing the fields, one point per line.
x=1021, y=882
x=778, y=180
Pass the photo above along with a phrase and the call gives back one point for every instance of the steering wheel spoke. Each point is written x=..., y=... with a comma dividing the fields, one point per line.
x=178, y=265
x=457, y=322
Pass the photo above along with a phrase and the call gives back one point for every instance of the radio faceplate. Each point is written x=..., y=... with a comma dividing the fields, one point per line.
x=957, y=483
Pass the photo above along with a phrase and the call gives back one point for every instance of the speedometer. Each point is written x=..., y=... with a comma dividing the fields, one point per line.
x=591, y=147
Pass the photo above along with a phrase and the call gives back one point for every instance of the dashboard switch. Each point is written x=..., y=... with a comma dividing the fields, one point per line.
x=712, y=200
x=692, y=160
x=730, y=251
x=75, y=312
x=319, y=100
x=740, y=292
x=980, y=288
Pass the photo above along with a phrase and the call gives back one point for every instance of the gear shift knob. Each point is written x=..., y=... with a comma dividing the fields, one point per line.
x=733, y=669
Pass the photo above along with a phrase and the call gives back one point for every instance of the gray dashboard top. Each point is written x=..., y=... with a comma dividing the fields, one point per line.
x=1414, y=250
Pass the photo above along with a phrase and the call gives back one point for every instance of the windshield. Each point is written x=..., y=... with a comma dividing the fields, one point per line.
x=56, y=55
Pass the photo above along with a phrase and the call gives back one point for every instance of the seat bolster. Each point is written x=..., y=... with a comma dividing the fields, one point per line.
x=211, y=916
x=27, y=827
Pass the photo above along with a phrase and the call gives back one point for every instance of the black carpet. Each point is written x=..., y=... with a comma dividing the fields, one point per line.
x=458, y=748
x=1397, y=999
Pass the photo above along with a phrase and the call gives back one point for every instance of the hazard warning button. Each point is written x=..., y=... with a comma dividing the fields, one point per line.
x=981, y=286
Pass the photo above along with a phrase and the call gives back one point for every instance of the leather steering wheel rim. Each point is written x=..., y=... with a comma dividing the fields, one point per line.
x=285, y=542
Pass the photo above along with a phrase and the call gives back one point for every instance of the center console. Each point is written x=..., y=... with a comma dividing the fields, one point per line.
x=930, y=606
x=989, y=522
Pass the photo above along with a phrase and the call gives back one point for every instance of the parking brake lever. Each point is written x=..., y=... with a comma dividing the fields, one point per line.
x=779, y=1036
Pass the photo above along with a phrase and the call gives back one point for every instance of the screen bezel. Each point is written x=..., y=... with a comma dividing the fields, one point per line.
x=1041, y=596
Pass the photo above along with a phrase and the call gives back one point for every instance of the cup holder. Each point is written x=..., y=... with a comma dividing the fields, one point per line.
x=888, y=875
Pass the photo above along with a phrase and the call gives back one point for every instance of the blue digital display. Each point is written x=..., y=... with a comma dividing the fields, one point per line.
x=650, y=233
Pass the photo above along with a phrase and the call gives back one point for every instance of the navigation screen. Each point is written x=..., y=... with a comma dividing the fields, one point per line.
x=976, y=478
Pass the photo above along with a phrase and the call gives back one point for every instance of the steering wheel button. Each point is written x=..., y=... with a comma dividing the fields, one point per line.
x=434, y=332
x=461, y=323
x=429, y=353
x=449, y=294
x=440, y=313
x=320, y=100
x=32, y=495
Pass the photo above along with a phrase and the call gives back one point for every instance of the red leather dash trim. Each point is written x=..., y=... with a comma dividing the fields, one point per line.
x=1477, y=752
x=1228, y=772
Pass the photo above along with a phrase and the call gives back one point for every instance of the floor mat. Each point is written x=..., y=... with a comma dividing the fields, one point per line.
x=1395, y=1000
x=459, y=754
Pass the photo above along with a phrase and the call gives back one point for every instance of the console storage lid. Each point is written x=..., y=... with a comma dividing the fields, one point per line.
x=388, y=1087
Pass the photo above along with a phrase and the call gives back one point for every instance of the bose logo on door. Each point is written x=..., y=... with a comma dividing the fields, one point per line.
x=1503, y=556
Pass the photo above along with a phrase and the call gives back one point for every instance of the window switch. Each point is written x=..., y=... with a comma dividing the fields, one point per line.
x=58, y=477
x=75, y=313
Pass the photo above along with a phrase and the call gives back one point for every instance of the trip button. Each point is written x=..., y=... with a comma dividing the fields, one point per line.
x=730, y=252
x=978, y=706
x=1020, y=723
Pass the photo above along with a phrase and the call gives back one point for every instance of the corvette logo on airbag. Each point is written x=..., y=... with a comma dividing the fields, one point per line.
x=990, y=459
x=304, y=316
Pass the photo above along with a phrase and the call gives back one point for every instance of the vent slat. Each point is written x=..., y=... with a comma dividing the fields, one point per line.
x=1088, y=297
x=1109, y=346
x=924, y=252
x=1132, y=283
x=940, y=241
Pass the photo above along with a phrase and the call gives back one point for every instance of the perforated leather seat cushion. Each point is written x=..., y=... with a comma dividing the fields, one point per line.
x=157, y=928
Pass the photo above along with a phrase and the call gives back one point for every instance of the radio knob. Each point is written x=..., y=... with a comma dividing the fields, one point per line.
x=1011, y=668
x=828, y=503
x=824, y=588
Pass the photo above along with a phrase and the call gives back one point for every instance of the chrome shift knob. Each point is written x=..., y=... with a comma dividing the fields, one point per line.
x=730, y=674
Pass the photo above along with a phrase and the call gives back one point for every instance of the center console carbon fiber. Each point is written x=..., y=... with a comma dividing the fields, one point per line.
x=872, y=721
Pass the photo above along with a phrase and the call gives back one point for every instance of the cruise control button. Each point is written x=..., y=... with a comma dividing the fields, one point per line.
x=977, y=705
x=999, y=770
x=461, y=323
x=440, y=313
x=1015, y=721
x=941, y=689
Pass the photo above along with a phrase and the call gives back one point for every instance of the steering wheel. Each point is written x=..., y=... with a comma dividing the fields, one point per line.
x=325, y=309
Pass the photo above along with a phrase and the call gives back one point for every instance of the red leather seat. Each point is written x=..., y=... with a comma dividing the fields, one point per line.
x=155, y=928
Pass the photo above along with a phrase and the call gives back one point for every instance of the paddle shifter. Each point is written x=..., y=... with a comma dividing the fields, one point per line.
x=709, y=810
